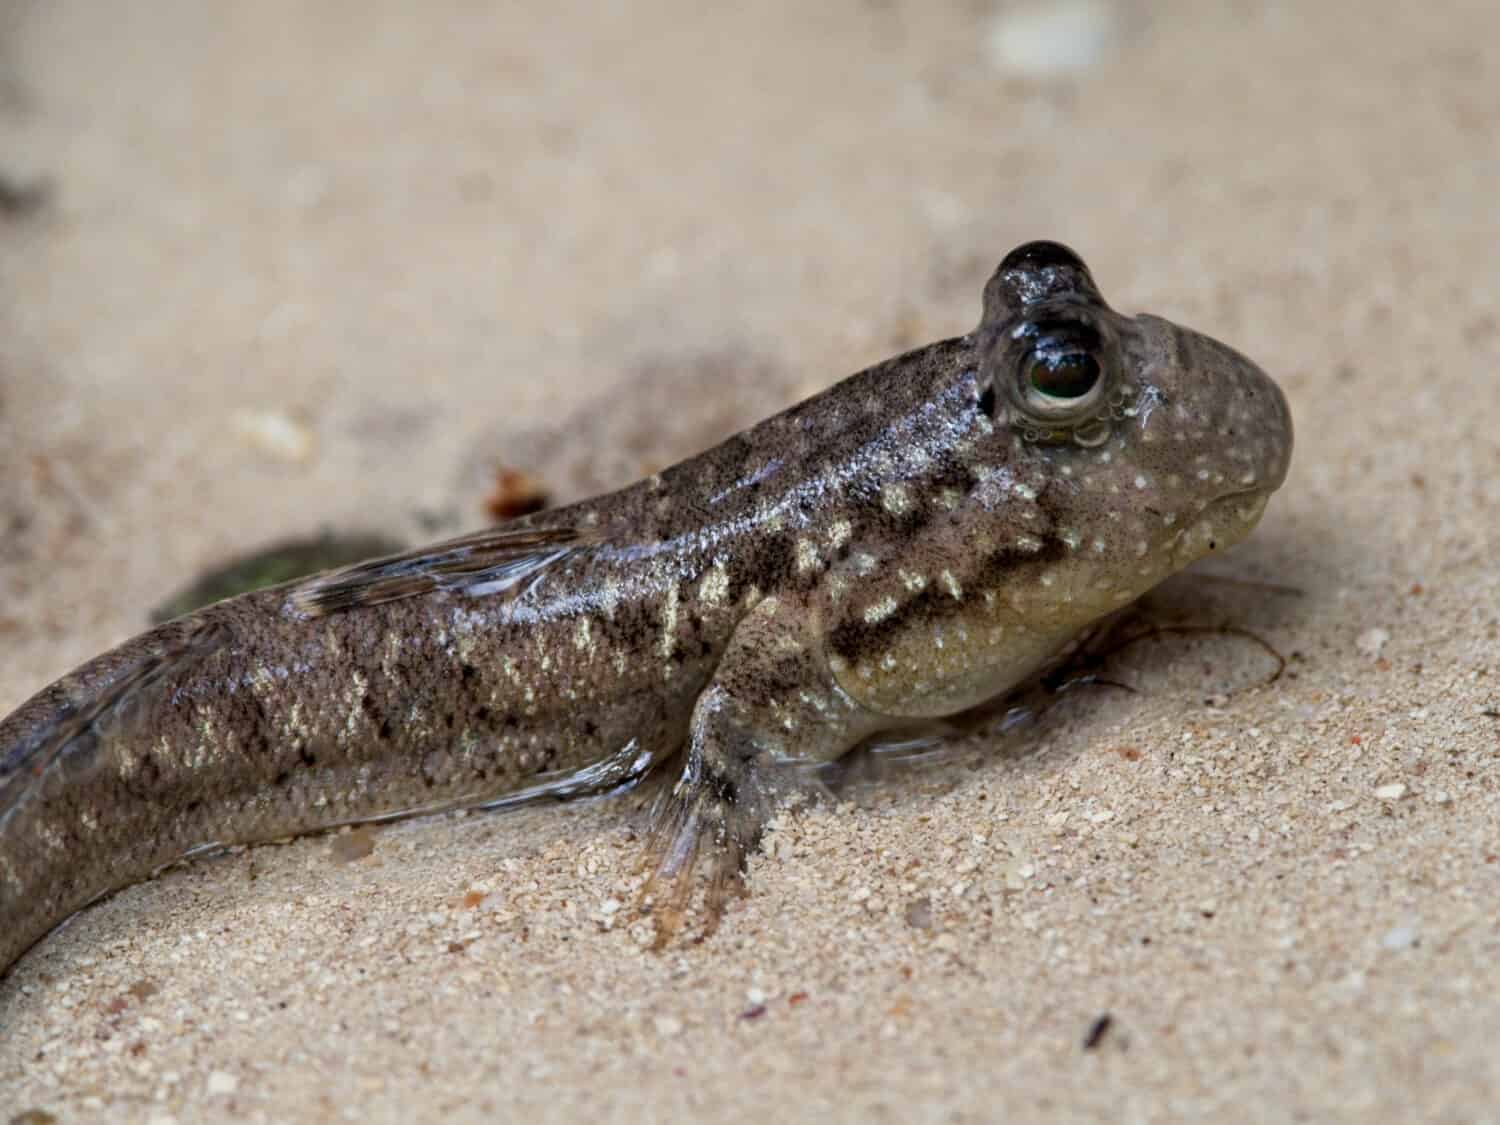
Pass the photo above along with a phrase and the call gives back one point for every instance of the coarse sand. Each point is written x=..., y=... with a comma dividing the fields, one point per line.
x=308, y=266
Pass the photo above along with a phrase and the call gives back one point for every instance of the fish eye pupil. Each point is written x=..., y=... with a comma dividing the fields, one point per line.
x=1065, y=373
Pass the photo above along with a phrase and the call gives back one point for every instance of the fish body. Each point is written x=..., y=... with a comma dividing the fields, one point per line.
x=919, y=539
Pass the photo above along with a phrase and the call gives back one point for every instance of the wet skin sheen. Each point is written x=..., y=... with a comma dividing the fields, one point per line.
x=919, y=539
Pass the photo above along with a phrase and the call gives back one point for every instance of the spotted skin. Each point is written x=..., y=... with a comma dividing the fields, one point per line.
x=922, y=538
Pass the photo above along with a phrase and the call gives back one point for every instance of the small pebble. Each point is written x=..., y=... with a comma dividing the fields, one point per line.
x=1371, y=641
x=1053, y=38
x=919, y=913
x=274, y=434
x=1392, y=792
x=222, y=1082
x=356, y=844
x=1399, y=938
x=516, y=493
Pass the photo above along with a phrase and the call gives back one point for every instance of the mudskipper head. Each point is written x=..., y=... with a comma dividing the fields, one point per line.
x=1152, y=445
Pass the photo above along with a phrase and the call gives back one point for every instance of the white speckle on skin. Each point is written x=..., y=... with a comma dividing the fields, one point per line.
x=1024, y=491
x=895, y=498
x=812, y=699
x=839, y=533
x=880, y=611
x=865, y=563
x=390, y=652
x=669, y=622
x=807, y=556
x=1071, y=537
x=912, y=581
x=609, y=596
x=1141, y=481
x=353, y=698
x=1028, y=543
x=714, y=588
x=1098, y=546
x=950, y=583
x=583, y=638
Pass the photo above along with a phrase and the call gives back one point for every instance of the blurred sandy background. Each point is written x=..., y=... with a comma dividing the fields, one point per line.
x=309, y=266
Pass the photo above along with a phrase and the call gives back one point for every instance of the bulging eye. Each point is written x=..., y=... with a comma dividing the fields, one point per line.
x=1061, y=373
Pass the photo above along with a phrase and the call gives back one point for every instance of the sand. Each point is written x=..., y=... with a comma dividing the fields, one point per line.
x=313, y=266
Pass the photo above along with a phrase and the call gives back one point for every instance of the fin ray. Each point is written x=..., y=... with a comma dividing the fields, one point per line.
x=487, y=562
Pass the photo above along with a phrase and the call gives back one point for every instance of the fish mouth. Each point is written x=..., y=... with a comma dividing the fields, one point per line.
x=1223, y=522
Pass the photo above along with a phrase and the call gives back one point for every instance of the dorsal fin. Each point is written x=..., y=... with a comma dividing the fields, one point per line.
x=486, y=562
